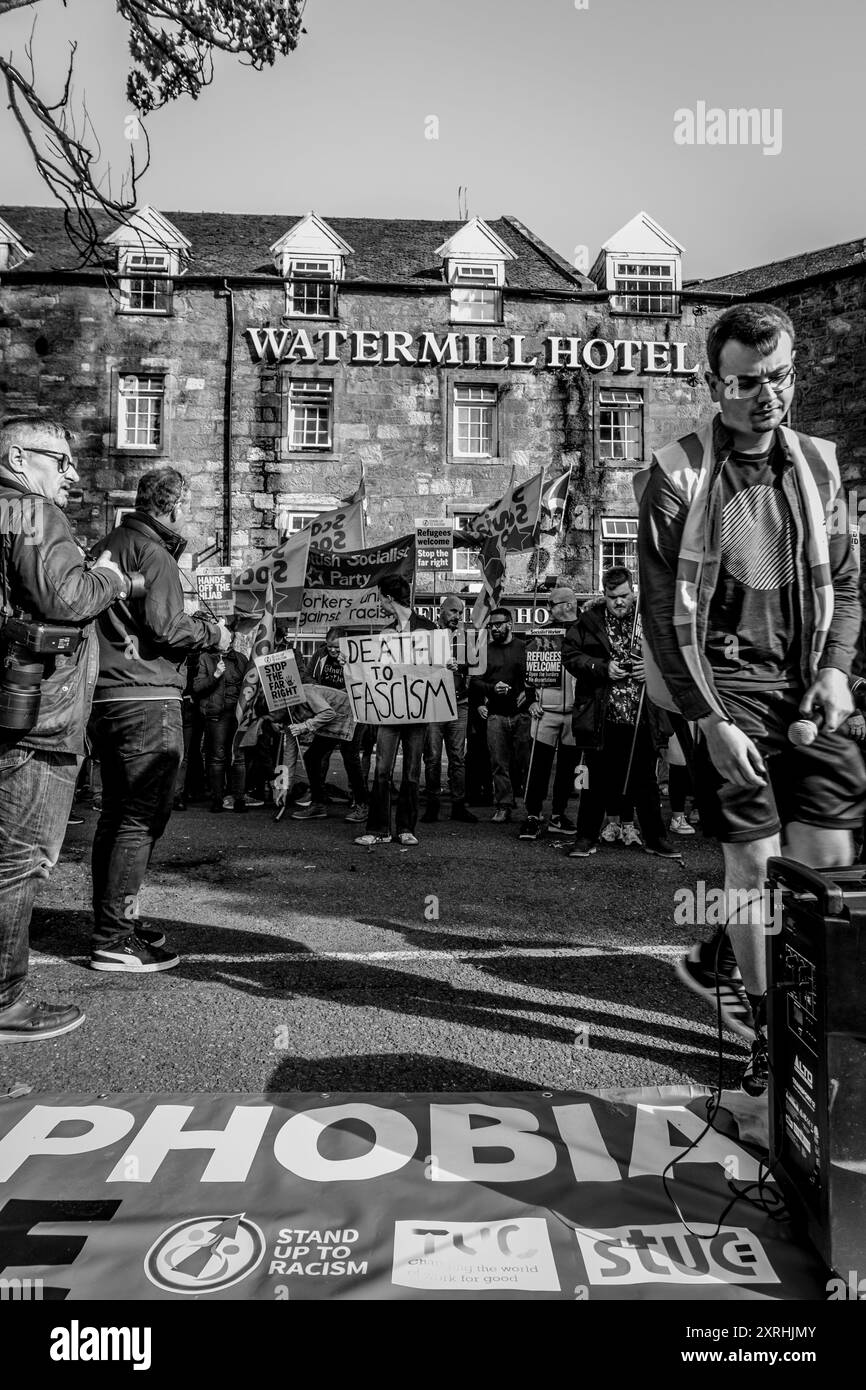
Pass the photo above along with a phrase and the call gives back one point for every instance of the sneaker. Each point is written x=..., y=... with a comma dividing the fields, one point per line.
x=216, y=807
x=372, y=839
x=239, y=804
x=315, y=811
x=75, y=820
x=664, y=848
x=30, y=1020
x=612, y=832
x=680, y=826
x=228, y=803
x=461, y=812
x=253, y=801
x=631, y=836
x=583, y=848
x=756, y=1075
x=431, y=814
x=730, y=999
x=561, y=825
x=357, y=815
x=133, y=956
x=304, y=801
x=407, y=838
x=151, y=936
x=530, y=829
x=502, y=815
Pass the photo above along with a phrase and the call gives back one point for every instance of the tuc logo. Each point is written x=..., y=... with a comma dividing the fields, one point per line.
x=671, y=1255
x=471, y=1255
x=205, y=1254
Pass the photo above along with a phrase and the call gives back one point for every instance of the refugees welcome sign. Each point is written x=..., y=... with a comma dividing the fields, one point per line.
x=400, y=677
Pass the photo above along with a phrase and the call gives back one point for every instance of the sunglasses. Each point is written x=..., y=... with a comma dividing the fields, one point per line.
x=64, y=461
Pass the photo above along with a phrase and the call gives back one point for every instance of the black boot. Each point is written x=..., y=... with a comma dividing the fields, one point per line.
x=432, y=812
x=460, y=811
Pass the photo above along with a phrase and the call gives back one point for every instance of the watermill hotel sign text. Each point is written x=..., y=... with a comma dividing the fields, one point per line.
x=372, y=346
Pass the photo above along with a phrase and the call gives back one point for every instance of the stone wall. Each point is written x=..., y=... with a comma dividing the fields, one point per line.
x=62, y=347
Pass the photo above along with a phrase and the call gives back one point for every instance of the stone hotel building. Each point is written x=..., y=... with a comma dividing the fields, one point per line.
x=270, y=358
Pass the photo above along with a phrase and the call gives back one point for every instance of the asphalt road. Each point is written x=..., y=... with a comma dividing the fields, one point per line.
x=311, y=964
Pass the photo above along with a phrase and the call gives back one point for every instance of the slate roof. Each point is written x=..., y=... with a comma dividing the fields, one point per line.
x=844, y=256
x=236, y=244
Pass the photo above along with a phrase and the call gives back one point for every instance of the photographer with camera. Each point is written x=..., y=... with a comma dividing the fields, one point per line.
x=611, y=721
x=49, y=596
x=137, y=723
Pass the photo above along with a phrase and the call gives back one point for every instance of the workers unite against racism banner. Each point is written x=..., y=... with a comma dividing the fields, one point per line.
x=354, y=1196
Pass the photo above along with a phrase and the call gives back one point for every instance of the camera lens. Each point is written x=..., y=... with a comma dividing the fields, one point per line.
x=20, y=689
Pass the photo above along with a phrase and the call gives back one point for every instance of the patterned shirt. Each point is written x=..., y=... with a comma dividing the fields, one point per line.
x=624, y=696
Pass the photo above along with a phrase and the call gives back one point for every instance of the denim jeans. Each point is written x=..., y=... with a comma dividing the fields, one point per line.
x=36, y=791
x=388, y=740
x=453, y=736
x=508, y=738
x=139, y=744
x=315, y=763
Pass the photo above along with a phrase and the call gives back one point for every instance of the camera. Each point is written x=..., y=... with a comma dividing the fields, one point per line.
x=27, y=648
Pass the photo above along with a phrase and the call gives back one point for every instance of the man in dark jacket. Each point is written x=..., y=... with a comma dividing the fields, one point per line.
x=43, y=577
x=137, y=725
x=597, y=650
x=505, y=701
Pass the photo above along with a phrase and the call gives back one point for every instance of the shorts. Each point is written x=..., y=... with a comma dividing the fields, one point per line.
x=553, y=728
x=823, y=785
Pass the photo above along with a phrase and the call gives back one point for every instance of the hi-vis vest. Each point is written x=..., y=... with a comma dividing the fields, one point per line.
x=689, y=466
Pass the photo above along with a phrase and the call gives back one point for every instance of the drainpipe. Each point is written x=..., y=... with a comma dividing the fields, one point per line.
x=228, y=416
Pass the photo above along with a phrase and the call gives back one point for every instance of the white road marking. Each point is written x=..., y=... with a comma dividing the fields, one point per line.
x=323, y=957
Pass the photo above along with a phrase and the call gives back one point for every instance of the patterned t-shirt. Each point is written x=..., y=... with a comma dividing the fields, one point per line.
x=753, y=636
x=624, y=696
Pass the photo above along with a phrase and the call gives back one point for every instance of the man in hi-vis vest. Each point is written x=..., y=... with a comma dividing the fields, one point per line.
x=749, y=599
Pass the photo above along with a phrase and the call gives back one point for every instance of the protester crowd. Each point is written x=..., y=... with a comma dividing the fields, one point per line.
x=749, y=618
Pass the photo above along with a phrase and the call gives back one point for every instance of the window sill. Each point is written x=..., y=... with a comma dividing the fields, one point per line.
x=330, y=455
x=311, y=318
x=145, y=313
x=646, y=314
x=144, y=450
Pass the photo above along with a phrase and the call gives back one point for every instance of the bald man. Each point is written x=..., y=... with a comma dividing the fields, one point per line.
x=452, y=734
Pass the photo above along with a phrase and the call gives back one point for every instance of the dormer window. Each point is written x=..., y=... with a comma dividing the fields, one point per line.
x=12, y=248
x=310, y=289
x=644, y=287
x=475, y=293
x=146, y=286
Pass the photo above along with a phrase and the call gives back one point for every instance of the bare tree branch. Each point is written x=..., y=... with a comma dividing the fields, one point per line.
x=171, y=43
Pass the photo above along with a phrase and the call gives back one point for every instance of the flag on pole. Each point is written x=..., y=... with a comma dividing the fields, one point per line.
x=286, y=566
x=554, y=496
x=262, y=645
x=509, y=525
x=360, y=495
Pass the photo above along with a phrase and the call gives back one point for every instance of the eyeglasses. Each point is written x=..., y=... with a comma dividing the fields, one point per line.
x=745, y=388
x=64, y=461
x=497, y=624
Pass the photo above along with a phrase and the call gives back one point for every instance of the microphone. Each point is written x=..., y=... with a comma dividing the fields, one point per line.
x=803, y=732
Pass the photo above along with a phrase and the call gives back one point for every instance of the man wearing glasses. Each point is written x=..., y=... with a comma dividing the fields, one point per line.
x=44, y=579
x=751, y=618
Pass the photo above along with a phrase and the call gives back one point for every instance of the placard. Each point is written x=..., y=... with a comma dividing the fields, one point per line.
x=544, y=657
x=400, y=677
x=281, y=680
x=434, y=546
x=214, y=588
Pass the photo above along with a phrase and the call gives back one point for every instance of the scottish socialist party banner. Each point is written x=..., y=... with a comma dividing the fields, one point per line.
x=400, y=677
x=513, y=1196
x=341, y=588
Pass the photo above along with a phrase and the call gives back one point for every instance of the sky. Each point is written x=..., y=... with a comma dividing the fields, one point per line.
x=562, y=116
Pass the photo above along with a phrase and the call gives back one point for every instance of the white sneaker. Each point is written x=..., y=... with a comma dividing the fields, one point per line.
x=680, y=826
x=612, y=832
x=372, y=839
x=631, y=836
x=228, y=803
x=407, y=838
